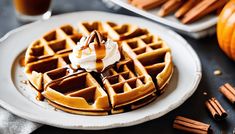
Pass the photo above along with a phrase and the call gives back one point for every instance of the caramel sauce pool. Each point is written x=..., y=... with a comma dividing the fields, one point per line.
x=22, y=61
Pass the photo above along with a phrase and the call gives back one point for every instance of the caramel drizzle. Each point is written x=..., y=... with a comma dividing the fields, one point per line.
x=100, y=52
x=39, y=96
x=62, y=78
x=99, y=49
x=70, y=69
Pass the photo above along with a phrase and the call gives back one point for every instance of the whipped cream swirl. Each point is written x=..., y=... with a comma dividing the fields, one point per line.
x=94, y=55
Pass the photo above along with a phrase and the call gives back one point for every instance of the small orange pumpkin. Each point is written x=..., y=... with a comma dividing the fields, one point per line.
x=226, y=29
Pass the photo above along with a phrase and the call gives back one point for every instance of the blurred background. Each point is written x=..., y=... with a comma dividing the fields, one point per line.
x=9, y=20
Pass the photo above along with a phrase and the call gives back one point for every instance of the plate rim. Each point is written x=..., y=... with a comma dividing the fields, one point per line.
x=196, y=81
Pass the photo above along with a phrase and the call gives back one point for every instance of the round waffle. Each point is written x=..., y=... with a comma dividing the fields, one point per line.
x=136, y=80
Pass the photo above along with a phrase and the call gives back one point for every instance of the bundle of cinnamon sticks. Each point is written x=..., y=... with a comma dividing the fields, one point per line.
x=187, y=11
x=215, y=109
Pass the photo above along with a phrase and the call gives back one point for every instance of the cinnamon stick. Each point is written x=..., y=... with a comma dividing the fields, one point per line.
x=169, y=7
x=228, y=91
x=215, y=109
x=201, y=9
x=191, y=126
x=146, y=4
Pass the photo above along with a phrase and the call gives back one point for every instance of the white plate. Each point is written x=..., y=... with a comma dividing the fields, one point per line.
x=171, y=21
x=19, y=99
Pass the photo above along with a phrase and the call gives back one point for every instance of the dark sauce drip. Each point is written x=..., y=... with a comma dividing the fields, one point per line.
x=39, y=96
x=98, y=78
x=75, y=72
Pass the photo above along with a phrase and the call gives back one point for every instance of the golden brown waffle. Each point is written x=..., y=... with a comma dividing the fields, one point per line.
x=78, y=91
x=143, y=71
x=127, y=83
x=49, y=52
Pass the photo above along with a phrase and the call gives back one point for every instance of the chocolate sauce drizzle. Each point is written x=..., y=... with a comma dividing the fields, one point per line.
x=75, y=72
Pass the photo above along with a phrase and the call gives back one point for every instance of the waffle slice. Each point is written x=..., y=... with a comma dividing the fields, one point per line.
x=154, y=55
x=78, y=91
x=127, y=84
x=49, y=52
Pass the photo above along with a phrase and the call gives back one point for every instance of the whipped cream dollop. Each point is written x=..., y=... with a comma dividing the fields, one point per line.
x=94, y=54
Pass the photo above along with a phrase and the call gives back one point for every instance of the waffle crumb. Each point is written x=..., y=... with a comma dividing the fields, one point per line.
x=24, y=81
x=217, y=72
x=205, y=93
